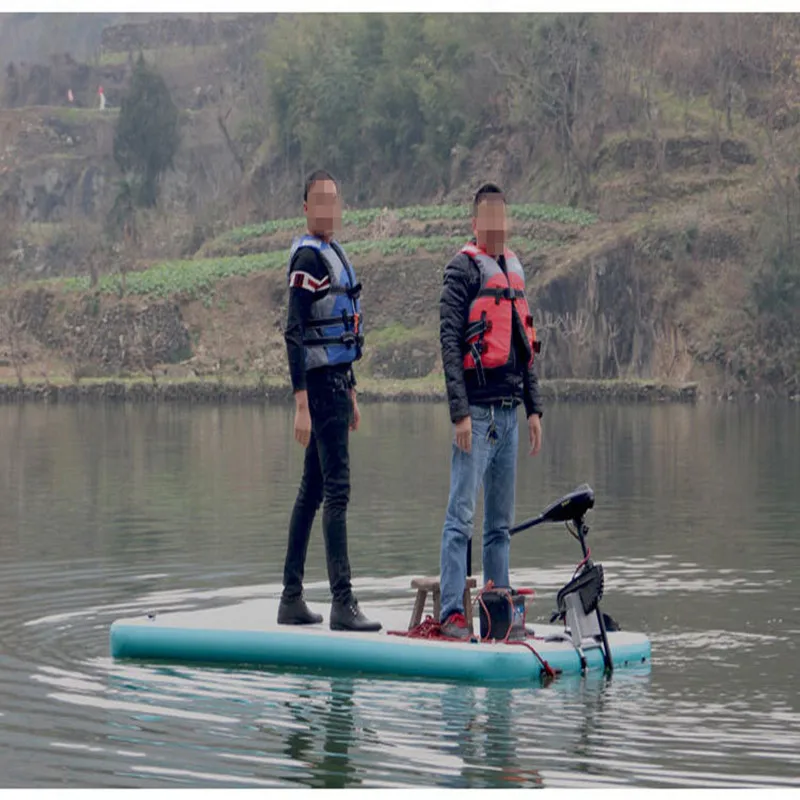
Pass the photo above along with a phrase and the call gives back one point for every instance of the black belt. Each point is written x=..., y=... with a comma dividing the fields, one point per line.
x=503, y=402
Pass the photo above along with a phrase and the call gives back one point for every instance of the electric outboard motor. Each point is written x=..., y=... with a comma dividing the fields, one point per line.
x=578, y=600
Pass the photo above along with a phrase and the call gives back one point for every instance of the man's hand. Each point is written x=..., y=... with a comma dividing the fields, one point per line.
x=535, y=433
x=302, y=419
x=464, y=434
x=356, y=413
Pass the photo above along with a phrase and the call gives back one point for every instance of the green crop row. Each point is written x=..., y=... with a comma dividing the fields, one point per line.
x=408, y=245
x=403, y=245
x=173, y=277
x=196, y=277
x=363, y=217
x=526, y=213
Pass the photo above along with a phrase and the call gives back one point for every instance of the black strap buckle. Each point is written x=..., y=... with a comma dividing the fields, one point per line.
x=476, y=329
x=354, y=292
x=476, y=357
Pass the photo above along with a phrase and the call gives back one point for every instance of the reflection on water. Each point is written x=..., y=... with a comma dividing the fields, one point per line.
x=111, y=511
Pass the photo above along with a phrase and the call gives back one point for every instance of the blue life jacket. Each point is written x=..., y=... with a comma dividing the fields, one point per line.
x=333, y=335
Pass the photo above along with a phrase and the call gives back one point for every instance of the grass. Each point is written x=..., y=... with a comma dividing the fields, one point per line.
x=430, y=388
x=46, y=159
x=699, y=112
x=81, y=115
x=42, y=233
x=402, y=245
x=361, y=218
x=394, y=333
x=196, y=277
x=675, y=113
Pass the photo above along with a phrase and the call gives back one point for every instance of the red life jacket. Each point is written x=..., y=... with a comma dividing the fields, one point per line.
x=490, y=325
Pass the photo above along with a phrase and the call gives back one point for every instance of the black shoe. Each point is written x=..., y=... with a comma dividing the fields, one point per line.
x=296, y=612
x=349, y=617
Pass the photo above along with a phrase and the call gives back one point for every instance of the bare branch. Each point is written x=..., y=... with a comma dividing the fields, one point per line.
x=501, y=72
x=234, y=150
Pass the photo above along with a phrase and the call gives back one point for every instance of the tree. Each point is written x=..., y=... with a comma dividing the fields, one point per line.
x=570, y=92
x=553, y=73
x=123, y=225
x=146, y=137
x=371, y=95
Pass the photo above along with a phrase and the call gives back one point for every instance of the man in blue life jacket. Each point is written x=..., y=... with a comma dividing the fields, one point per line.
x=488, y=343
x=323, y=339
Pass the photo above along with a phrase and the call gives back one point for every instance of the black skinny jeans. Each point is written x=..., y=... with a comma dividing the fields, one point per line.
x=326, y=477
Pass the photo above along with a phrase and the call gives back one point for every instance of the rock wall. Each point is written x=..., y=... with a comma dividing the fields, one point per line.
x=675, y=153
x=181, y=31
x=625, y=311
x=98, y=335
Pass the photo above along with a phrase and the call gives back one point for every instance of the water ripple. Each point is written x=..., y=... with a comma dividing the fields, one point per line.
x=117, y=513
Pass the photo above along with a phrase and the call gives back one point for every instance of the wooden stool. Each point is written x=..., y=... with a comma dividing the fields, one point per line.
x=425, y=585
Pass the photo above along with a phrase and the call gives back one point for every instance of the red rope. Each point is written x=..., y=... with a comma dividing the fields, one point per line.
x=548, y=670
x=586, y=558
x=431, y=628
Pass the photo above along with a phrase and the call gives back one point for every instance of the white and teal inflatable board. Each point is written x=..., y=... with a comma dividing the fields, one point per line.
x=247, y=634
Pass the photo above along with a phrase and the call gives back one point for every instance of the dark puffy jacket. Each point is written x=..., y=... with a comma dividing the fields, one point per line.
x=514, y=381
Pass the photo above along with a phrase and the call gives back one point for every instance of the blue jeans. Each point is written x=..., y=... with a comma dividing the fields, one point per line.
x=493, y=463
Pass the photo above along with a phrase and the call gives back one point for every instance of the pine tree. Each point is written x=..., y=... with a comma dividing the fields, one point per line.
x=146, y=136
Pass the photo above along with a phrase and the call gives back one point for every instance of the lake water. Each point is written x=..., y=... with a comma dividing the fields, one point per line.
x=108, y=511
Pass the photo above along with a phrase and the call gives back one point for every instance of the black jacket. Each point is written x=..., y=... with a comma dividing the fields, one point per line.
x=462, y=280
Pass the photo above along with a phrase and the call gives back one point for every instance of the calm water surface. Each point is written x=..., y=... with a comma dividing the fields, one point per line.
x=109, y=511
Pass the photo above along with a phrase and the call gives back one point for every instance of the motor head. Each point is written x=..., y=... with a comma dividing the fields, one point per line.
x=570, y=507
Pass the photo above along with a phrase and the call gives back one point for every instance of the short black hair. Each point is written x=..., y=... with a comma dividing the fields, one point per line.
x=486, y=189
x=317, y=175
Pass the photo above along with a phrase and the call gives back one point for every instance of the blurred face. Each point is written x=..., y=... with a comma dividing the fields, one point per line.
x=323, y=209
x=490, y=224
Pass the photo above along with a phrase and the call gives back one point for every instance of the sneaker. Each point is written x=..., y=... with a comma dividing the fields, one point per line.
x=296, y=612
x=349, y=617
x=455, y=627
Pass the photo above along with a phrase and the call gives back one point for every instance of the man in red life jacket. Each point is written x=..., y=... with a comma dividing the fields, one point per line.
x=488, y=343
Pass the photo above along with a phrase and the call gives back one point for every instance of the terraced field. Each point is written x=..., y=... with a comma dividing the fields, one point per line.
x=229, y=300
x=364, y=217
x=195, y=277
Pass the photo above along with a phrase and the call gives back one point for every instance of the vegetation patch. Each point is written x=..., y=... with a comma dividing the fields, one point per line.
x=191, y=277
x=428, y=389
x=194, y=277
x=361, y=218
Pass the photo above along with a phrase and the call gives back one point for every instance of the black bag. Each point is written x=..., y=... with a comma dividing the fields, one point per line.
x=501, y=609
